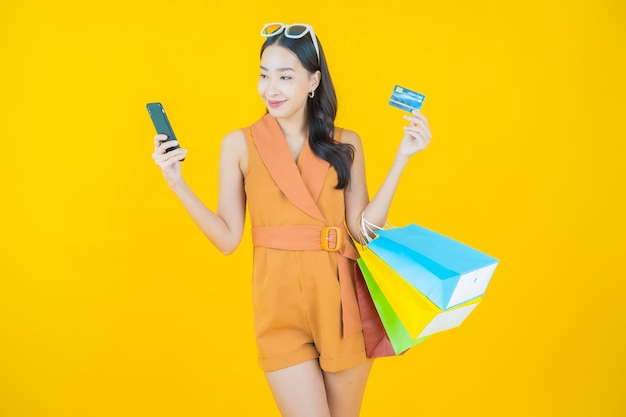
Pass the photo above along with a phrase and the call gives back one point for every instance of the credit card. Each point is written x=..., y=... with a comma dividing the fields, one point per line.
x=406, y=99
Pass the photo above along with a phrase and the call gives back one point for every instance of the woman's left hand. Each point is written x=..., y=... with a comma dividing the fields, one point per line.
x=416, y=136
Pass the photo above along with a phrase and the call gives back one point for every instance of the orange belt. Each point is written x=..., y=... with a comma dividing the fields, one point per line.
x=331, y=239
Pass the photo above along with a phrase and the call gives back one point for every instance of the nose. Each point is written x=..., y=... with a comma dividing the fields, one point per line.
x=272, y=87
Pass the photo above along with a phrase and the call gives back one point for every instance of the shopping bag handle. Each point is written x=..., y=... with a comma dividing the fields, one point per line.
x=368, y=229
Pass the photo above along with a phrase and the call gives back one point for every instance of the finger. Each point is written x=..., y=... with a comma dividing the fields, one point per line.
x=168, y=159
x=172, y=154
x=423, y=139
x=419, y=115
x=415, y=128
x=162, y=150
x=418, y=133
x=425, y=133
x=158, y=139
x=163, y=147
x=424, y=128
x=413, y=120
x=416, y=118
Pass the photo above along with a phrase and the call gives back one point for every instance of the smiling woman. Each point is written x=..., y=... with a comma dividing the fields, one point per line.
x=302, y=177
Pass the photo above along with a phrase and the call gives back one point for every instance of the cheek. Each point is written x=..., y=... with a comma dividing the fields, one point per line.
x=261, y=85
x=297, y=89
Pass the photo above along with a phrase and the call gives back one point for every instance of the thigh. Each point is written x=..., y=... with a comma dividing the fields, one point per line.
x=299, y=390
x=345, y=389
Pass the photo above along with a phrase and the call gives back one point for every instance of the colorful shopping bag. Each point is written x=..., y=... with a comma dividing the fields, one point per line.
x=377, y=343
x=446, y=271
x=416, y=314
x=392, y=333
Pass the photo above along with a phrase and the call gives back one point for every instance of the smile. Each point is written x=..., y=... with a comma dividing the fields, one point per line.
x=274, y=104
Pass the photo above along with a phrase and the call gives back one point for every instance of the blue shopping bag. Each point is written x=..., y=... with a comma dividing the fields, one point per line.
x=446, y=271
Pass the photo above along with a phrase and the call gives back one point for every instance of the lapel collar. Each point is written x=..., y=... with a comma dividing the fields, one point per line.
x=274, y=152
x=314, y=170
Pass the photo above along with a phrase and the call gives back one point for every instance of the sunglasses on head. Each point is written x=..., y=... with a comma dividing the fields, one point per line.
x=293, y=31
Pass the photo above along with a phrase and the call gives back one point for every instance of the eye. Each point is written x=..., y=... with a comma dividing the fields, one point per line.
x=285, y=77
x=262, y=76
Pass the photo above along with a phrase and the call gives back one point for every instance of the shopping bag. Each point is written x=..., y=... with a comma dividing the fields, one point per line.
x=417, y=314
x=392, y=333
x=446, y=271
x=377, y=343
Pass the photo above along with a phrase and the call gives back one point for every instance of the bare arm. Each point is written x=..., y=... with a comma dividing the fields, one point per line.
x=224, y=227
x=417, y=137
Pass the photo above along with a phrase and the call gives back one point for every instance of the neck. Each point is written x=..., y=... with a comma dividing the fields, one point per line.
x=294, y=127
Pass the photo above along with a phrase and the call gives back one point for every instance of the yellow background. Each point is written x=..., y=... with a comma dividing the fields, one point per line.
x=112, y=303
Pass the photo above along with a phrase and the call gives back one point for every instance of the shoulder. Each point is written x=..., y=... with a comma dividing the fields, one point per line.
x=239, y=137
x=234, y=143
x=234, y=138
x=350, y=137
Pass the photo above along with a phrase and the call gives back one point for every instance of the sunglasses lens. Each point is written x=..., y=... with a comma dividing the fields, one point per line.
x=272, y=29
x=296, y=30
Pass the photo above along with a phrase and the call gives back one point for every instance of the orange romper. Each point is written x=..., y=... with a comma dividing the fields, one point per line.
x=304, y=299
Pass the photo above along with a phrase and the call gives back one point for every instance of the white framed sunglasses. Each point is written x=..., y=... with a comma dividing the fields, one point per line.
x=293, y=31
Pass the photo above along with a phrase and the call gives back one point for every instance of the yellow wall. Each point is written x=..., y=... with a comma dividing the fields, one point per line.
x=113, y=304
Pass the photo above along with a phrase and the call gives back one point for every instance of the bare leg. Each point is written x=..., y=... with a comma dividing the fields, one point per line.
x=345, y=390
x=299, y=390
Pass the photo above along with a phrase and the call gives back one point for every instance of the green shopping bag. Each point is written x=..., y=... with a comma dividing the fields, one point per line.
x=398, y=335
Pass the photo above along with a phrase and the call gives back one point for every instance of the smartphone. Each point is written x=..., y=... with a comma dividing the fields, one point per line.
x=162, y=123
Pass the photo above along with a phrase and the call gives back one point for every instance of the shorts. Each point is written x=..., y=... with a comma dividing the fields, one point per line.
x=297, y=311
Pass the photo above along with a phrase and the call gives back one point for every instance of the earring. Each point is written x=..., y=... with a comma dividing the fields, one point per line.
x=312, y=94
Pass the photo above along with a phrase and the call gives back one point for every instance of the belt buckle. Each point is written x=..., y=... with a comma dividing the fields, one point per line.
x=327, y=235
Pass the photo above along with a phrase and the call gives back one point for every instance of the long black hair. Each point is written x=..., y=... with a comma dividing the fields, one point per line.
x=322, y=108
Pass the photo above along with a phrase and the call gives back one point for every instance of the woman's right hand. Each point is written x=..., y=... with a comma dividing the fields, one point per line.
x=169, y=162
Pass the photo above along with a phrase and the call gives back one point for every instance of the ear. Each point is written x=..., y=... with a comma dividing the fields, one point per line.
x=315, y=79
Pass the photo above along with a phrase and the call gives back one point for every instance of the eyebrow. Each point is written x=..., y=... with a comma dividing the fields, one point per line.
x=279, y=69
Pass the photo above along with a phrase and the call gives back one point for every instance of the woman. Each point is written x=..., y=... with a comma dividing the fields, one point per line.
x=304, y=182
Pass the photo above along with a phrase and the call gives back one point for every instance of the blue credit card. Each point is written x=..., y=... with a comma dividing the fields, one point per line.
x=406, y=99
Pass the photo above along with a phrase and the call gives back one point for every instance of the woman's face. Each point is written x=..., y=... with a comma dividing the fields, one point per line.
x=284, y=84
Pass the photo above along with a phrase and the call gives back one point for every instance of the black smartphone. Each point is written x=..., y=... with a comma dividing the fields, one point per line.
x=162, y=123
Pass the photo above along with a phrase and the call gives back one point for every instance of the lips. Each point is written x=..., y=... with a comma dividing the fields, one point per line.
x=274, y=104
